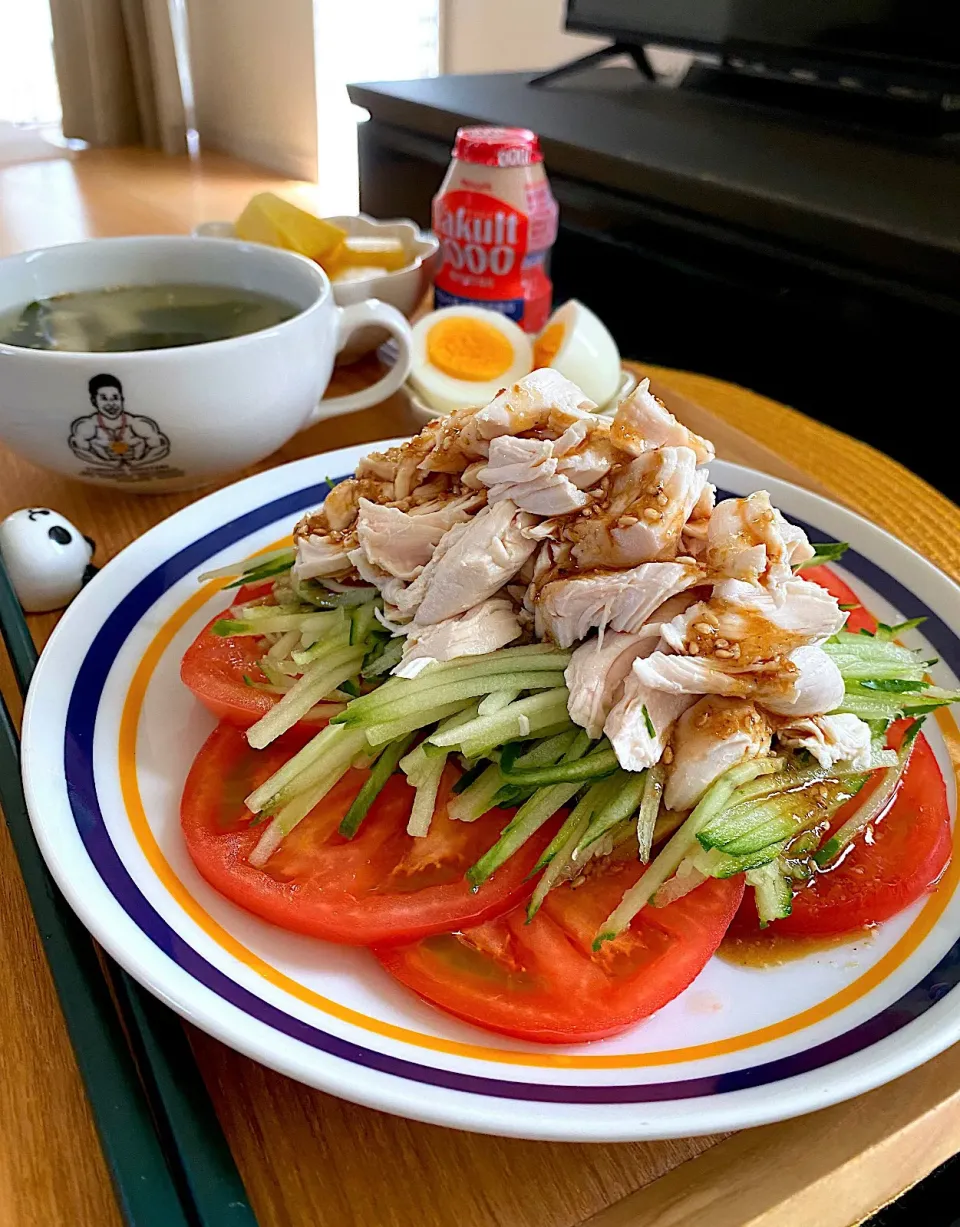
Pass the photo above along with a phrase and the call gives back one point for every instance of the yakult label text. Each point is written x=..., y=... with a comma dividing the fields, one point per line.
x=483, y=242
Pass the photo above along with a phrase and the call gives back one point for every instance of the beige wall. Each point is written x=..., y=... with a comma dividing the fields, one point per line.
x=254, y=81
x=499, y=35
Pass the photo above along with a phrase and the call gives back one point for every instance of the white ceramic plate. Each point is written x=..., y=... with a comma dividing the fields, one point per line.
x=108, y=737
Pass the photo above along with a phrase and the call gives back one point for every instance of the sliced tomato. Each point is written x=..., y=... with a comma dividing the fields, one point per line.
x=542, y=981
x=900, y=860
x=219, y=669
x=858, y=618
x=381, y=886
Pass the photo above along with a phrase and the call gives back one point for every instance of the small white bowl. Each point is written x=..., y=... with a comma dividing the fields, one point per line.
x=403, y=289
x=423, y=413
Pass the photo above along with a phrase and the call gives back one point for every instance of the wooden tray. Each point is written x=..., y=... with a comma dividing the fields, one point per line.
x=310, y=1160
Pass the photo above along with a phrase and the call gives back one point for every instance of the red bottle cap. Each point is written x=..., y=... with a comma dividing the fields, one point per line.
x=497, y=146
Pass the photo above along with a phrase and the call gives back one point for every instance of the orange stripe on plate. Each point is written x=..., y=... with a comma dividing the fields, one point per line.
x=129, y=723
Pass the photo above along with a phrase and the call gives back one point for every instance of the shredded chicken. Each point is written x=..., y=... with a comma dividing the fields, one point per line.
x=484, y=628
x=713, y=735
x=595, y=676
x=643, y=422
x=841, y=738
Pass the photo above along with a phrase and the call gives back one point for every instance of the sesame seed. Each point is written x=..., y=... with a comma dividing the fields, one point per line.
x=662, y=500
x=668, y=756
x=688, y=558
x=693, y=647
x=651, y=514
x=628, y=521
x=722, y=643
x=703, y=628
x=724, y=653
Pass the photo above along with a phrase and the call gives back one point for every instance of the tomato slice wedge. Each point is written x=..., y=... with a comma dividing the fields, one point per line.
x=900, y=861
x=216, y=669
x=382, y=886
x=543, y=982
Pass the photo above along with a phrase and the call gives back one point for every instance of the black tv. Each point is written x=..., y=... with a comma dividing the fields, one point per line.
x=882, y=45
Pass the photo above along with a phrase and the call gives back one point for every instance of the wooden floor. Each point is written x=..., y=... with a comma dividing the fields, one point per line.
x=124, y=191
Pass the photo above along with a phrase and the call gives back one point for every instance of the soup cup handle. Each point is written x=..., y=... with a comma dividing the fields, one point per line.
x=361, y=315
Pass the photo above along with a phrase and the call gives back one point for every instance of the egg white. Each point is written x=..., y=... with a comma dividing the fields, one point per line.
x=444, y=392
x=588, y=354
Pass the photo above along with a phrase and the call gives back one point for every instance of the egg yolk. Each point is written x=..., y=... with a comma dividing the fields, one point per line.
x=547, y=345
x=467, y=348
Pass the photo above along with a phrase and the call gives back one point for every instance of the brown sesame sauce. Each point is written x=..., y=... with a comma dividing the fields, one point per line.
x=768, y=948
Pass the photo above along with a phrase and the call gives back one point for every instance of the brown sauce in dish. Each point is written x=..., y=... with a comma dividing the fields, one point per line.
x=768, y=948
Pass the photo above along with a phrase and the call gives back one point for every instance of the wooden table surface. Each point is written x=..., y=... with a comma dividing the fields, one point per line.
x=310, y=1160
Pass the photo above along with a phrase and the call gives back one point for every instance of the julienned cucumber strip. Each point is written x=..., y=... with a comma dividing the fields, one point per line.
x=336, y=762
x=874, y=805
x=385, y=660
x=506, y=725
x=716, y=864
x=773, y=892
x=247, y=566
x=266, y=571
x=824, y=551
x=381, y=771
x=594, y=765
x=626, y=789
x=649, y=810
x=509, y=665
x=377, y=734
x=398, y=707
x=474, y=801
x=277, y=623
x=311, y=753
x=875, y=704
x=681, y=843
x=528, y=819
x=543, y=753
x=427, y=783
x=496, y=701
x=743, y=828
x=416, y=761
x=319, y=678
x=565, y=845
x=865, y=656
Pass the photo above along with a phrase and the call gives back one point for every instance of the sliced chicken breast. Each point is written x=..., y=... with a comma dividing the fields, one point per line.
x=815, y=687
x=643, y=422
x=749, y=540
x=321, y=557
x=744, y=626
x=641, y=721
x=542, y=400
x=401, y=543
x=843, y=738
x=644, y=512
x=484, y=628
x=526, y=471
x=713, y=735
x=472, y=561
x=568, y=609
x=595, y=674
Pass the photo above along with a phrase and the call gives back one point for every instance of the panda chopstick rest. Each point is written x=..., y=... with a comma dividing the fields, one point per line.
x=47, y=558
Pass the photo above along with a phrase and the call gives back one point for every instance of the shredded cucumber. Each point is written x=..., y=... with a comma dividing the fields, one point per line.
x=380, y=772
x=625, y=790
x=560, y=856
x=649, y=810
x=682, y=843
x=598, y=763
x=343, y=748
x=497, y=701
x=874, y=805
x=477, y=798
x=319, y=678
x=773, y=892
x=377, y=734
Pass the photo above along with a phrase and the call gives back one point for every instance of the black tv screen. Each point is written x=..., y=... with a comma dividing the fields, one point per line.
x=909, y=33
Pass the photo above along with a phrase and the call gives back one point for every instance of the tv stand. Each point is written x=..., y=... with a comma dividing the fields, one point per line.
x=636, y=53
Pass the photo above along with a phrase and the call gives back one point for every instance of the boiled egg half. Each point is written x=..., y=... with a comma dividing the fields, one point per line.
x=577, y=344
x=463, y=356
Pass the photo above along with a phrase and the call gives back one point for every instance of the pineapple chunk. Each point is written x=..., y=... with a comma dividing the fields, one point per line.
x=271, y=219
x=361, y=250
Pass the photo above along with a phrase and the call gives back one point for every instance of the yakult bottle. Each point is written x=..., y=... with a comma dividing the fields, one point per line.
x=496, y=219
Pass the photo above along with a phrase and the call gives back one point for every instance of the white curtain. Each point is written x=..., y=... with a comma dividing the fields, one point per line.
x=122, y=70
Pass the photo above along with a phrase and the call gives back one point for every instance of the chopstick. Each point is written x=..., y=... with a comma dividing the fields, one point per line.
x=162, y=1141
